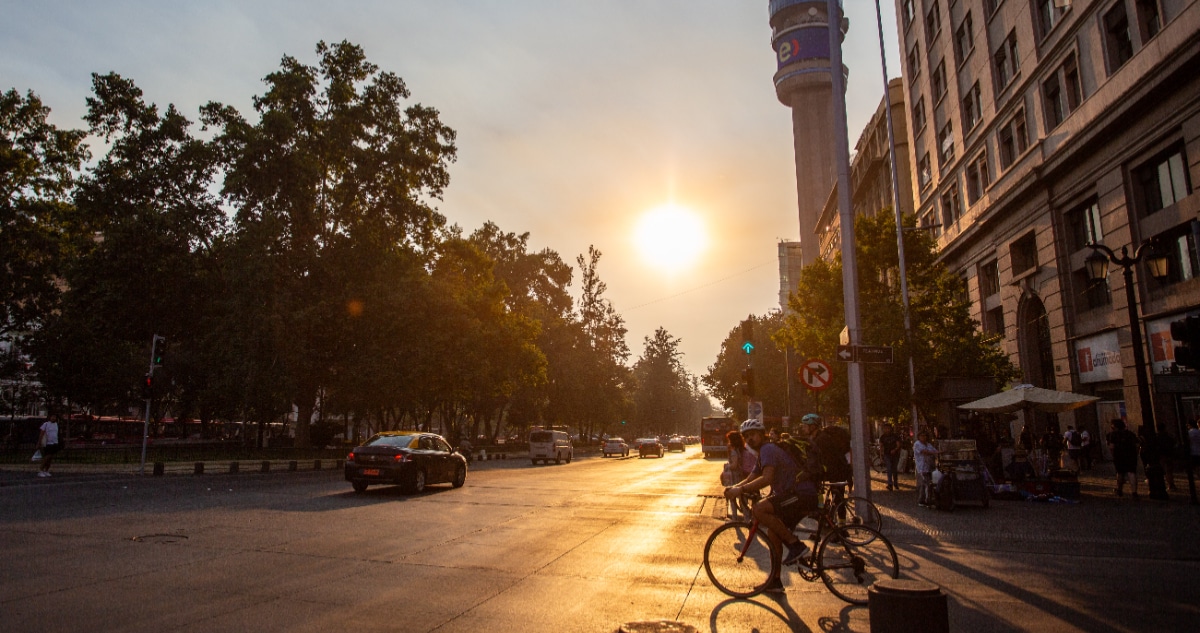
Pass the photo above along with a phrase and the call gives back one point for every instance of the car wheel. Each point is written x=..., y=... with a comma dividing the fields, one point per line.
x=569, y=456
x=359, y=486
x=460, y=476
x=533, y=461
x=417, y=485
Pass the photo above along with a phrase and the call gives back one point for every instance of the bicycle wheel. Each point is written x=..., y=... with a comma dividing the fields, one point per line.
x=878, y=464
x=850, y=560
x=854, y=511
x=739, y=562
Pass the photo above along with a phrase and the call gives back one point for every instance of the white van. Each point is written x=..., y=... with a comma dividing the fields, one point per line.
x=548, y=445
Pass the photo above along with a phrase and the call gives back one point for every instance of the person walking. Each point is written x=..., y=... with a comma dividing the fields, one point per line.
x=48, y=444
x=1085, y=443
x=889, y=445
x=925, y=455
x=1124, y=446
x=1074, y=442
x=1193, y=444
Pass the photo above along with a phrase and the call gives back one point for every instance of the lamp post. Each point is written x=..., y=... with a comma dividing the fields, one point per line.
x=1156, y=262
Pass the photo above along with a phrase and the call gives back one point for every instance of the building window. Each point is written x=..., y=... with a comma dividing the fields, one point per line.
x=1049, y=14
x=1179, y=245
x=1162, y=181
x=993, y=321
x=1052, y=102
x=1023, y=254
x=964, y=40
x=918, y=115
x=978, y=178
x=951, y=206
x=989, y=279
x=1149, y=21
x=971, y=109
x=933, y=23
x=1116, y=37
x=1005, y=61
x=906, y=10
x=989, y=7
x=1083, y=226
x=945, y=145
x=914, y=62
x=1094, y=294
x=1071, y=83
x=1012, y=139
x=924, y=171
x=938, y=81
x=928, y=221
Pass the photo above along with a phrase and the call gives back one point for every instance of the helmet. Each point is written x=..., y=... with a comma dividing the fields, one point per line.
x=753, y=424
x=811, y=418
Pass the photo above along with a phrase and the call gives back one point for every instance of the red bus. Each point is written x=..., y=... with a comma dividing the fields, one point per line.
x=712, y=435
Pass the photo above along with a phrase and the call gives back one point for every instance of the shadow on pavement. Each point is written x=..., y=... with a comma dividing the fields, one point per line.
x=784, y=613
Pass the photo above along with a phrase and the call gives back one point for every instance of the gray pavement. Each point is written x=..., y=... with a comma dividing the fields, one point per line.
x=579, y=547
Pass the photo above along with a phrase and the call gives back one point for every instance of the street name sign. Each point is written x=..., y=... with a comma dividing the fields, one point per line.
x=864, y=353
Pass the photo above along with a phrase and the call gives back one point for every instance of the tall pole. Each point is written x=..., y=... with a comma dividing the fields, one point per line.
x=841, y=142
x=908, y=338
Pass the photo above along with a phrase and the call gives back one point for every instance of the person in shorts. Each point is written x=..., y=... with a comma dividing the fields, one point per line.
x=793, y=491
x=49, y=444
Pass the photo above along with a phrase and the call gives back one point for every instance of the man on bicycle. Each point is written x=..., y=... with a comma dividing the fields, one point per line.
x=793, y=488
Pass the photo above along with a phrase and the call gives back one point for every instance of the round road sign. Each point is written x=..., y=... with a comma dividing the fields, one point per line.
x=815, y=374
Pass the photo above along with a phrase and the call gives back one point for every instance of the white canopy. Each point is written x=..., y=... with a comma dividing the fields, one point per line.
x=1026, y=397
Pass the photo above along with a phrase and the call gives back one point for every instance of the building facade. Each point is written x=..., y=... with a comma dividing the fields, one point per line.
x=1037, y=127
x=871, y=172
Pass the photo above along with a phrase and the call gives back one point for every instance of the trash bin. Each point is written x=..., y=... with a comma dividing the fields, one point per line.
x=907, y=606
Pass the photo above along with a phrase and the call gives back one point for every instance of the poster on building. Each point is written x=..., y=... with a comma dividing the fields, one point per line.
x=1162, y=346
x=1099, y=358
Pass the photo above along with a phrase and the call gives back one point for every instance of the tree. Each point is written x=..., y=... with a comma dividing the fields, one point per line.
x=724, y=378
x=663, y=398
x=946, y=341
x=38, y=226
x=336, y=174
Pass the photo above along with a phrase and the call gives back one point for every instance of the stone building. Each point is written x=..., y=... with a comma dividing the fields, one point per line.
x=1037, y=127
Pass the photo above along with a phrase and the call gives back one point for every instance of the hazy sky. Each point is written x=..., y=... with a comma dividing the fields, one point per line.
x=573, y=117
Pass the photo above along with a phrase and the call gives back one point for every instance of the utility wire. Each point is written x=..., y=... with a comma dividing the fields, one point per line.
x=700, y=287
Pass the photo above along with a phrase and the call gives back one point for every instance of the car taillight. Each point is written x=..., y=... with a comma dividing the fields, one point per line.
x=350, y=457
x=402, y=457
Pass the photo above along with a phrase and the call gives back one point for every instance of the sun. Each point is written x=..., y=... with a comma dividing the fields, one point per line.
x=671, y=237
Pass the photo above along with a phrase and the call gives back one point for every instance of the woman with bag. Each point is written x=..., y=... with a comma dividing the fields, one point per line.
x=48, y=444
x=742, y=460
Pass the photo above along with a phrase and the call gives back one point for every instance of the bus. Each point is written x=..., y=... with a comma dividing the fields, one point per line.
x=712, y=435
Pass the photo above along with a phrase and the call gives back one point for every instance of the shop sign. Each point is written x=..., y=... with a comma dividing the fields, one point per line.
x=1099, y=358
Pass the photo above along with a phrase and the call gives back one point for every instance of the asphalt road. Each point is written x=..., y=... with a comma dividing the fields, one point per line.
x=585, y=546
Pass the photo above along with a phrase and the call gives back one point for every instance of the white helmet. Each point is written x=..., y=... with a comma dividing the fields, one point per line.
x=753, y=424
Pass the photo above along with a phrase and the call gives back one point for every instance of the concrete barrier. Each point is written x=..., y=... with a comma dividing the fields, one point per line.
x=907, y=606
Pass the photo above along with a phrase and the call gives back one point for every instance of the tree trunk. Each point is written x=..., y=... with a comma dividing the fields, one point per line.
x=305, y=402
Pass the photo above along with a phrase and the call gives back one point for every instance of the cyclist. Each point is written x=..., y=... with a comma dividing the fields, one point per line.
x=793, y=489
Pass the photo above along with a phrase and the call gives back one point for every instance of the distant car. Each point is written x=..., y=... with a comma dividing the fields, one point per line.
x=676, y=444
x=412, y=460
x=547, y=445
x=615, y=446
x=649, y=446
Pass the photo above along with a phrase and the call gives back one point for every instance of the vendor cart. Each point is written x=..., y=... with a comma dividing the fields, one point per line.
x=963, y=478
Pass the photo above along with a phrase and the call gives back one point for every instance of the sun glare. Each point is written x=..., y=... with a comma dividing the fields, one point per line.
x=671, y=237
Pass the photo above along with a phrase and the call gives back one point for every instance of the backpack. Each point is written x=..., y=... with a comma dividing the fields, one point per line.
x=1074, y=439
x=832, y=445
x=798, y=450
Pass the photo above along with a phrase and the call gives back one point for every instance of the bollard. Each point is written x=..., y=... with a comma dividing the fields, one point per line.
x=199, y=470
x=266, y=466
x=316, y=464
x=292, y=465
x=482, y=455
x=233, y=468
x=907, y=606
x=159, y=467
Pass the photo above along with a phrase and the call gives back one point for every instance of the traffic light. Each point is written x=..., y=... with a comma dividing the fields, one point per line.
x=159, y=352
x=1186, y=333
x=147, y=387
x=748, y=382
x=748, y=334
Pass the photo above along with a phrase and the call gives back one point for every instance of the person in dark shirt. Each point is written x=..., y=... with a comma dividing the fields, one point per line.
x=889, y=445
x=1124, y=446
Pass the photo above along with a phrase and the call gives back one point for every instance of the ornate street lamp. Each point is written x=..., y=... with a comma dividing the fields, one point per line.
x=1157, y=263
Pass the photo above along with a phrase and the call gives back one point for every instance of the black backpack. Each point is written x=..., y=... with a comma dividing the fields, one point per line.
x=832, y=445
x=798, y=451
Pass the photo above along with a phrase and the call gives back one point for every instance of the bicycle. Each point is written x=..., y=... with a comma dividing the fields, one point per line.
x=849, y=511
x=878, y=463
x=740, y=559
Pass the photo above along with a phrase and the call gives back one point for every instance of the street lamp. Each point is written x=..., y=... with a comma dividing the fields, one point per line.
x=1097, y=270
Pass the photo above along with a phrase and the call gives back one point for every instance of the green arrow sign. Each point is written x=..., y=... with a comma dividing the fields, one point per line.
x=748, y=346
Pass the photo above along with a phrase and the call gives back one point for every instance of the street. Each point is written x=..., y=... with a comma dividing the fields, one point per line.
x=585, y=546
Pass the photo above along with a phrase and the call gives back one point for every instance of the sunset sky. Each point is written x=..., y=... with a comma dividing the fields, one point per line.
x=574, y=118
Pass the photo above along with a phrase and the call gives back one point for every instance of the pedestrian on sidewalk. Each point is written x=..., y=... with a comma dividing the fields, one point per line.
x=925, y=454
x=1166, y=458
x=1124, y=446
x=1193, y=463
x=48, y=443
x=1074, y=443
x=1085, y=443
x=889, y=445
